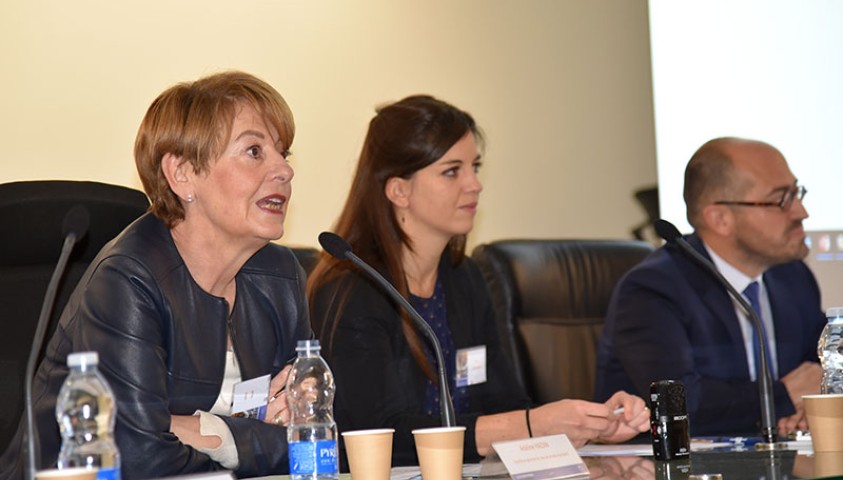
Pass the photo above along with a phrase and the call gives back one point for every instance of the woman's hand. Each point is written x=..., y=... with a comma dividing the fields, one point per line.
x=277, y=411
x=582, y=421
x=634, y=419
x=186, y=428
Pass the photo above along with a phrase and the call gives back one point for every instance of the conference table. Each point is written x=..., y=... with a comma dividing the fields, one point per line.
x=731, y=465
x=729, y=462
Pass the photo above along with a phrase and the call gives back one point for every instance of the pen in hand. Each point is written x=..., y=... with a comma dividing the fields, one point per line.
x=277, y=394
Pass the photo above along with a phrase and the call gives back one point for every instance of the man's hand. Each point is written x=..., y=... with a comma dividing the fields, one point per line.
x=803, y=380
x=797, y=421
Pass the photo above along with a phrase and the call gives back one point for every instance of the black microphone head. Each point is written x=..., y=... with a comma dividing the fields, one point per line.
x=666, y=230
x=334, y=244
x=76, y=222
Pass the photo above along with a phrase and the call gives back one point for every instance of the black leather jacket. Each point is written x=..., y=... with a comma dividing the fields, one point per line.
x=161, y=341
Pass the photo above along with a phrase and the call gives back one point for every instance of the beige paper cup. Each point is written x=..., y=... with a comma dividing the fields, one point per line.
x=825, y=421
x=369, y=453
x=828, y=464
x=80, y=473
x=440, y=452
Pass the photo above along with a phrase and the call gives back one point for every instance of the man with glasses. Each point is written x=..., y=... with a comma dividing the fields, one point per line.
x=670, y=319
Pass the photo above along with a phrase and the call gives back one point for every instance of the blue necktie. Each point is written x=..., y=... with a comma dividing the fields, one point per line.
x=751, y=293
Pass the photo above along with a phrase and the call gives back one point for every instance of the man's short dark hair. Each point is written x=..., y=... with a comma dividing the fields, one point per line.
x=709, y=173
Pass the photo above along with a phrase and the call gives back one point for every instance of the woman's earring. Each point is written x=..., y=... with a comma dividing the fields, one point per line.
x=190, y=198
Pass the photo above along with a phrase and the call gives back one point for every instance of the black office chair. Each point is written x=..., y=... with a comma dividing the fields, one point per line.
x=31, y=215
x=551, y=298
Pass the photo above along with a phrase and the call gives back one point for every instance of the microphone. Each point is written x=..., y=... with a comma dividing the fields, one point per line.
x=769, y=430
x=74, y=227
x=338, y=248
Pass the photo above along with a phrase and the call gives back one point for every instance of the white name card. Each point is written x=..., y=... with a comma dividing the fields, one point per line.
x=541, y=458
x=251, y=397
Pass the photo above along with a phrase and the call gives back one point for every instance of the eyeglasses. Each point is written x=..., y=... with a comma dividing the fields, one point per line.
x=784, y=203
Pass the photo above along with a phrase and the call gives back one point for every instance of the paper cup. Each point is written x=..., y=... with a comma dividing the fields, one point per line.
x=440, y=452
x=369, y=453
x=80, y=473
x=825, y=420
x=828, y=464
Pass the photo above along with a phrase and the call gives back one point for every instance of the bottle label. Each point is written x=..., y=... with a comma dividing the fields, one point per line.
x=108, y=473
x=313, y=457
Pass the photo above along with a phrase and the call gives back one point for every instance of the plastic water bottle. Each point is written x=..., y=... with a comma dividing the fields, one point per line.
x=86, y=412
x=312, y=434
x=830, y=351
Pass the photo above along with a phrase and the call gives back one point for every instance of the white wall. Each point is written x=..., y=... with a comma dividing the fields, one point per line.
x=561, y=88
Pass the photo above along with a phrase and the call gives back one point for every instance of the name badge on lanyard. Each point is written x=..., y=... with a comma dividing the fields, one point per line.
x=471, y=366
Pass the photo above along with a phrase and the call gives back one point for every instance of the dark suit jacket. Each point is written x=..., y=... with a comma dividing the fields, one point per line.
x=670, y=319
x=379, y=384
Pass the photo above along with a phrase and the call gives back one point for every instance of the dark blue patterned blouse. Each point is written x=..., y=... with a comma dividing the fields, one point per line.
x=435, y=313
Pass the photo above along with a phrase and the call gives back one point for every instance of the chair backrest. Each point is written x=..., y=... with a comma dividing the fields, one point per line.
x=551, y=298
x=31, y=215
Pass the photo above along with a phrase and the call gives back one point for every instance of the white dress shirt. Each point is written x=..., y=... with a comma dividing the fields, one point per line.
x=740, y=281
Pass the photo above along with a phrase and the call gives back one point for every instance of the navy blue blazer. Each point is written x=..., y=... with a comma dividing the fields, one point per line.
x=670, y=319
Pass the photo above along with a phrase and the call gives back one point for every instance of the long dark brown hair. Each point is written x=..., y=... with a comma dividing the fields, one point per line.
x=403, y=138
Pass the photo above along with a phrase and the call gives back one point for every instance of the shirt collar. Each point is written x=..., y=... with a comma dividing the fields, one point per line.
x=735, y=277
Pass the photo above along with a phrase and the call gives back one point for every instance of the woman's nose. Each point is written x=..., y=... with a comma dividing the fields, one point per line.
x=284, y=172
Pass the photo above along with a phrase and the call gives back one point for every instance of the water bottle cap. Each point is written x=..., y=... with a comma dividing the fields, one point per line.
x=307, y=345
x=834, y=312
x=82, y=359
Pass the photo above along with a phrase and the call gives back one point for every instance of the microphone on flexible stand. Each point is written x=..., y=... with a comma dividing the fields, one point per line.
x=340, y=249
x=74, y=227
x=671, y=234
